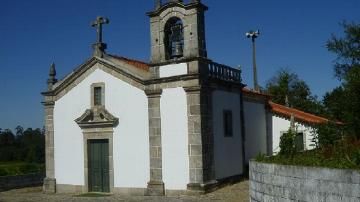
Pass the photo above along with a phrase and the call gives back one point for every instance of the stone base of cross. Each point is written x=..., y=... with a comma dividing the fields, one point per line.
x=99, y=49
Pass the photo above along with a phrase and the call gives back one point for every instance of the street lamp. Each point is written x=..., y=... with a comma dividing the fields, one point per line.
x=253, y=35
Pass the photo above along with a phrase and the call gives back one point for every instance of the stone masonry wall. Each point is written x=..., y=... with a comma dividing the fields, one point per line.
x=270, y=182
x=20, y=181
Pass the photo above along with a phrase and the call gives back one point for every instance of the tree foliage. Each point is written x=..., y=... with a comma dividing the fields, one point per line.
x=287, y=84
x=346, y=48
x=25, y=145
x=343, y=103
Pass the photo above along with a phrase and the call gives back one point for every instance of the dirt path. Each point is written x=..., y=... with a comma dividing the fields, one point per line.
x=233, y=193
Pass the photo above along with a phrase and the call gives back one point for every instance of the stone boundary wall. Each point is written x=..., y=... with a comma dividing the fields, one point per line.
x=20, y=181
x=271, y=182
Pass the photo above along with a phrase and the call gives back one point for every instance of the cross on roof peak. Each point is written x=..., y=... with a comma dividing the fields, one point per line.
x=99, y=46
x=98, y=24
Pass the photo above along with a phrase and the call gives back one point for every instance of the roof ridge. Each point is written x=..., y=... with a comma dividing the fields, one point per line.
x=299, y=114
x=137, y=63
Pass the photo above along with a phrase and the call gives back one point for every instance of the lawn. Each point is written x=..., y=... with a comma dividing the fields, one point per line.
x=20, y=168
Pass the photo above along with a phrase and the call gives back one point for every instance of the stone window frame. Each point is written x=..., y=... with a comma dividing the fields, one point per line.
x=92, y=94
x=228, y=132
x=98, y=134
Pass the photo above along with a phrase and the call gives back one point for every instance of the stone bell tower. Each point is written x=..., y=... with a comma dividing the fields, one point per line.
x=177, y=31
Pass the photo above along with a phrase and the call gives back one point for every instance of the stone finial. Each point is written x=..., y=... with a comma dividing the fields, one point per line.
x=287, y=104
x=99, y=46
x=52, y=76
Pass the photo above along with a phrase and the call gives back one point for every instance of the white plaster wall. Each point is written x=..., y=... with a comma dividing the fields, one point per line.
x=131, y=141
x=255, y=127
x=173, y=70
x=174, y=132
x=227, y=150
x=281, y=125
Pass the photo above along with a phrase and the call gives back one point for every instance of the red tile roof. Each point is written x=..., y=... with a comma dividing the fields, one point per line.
x=298, y=115
x=249, y=91
x=136, y=63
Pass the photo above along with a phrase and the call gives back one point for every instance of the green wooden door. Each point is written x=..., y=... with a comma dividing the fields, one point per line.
x=98, y=165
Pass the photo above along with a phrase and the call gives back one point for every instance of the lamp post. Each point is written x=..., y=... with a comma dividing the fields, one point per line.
x=253, y=35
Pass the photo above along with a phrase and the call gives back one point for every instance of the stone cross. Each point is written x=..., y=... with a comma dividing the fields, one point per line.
x=98, y=23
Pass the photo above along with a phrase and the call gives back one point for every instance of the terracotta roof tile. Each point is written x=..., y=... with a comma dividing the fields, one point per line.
x=298, y=115
x=135, y=63
x=246, y=90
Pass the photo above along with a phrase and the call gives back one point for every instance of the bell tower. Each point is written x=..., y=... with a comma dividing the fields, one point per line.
x=177, y=31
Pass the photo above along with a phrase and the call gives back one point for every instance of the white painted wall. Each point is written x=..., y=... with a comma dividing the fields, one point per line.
x=131, y=140
x=174, y=132
x=173, y=70
x=227, y=150
x=255, y=127
x=281, y=125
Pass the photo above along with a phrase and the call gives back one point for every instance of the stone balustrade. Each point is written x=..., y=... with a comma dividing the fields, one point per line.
x=224, y=72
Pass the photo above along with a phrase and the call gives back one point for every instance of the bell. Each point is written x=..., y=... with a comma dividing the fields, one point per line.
x=178, y=50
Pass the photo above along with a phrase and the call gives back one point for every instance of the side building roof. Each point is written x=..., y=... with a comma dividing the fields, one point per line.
x=301, y=116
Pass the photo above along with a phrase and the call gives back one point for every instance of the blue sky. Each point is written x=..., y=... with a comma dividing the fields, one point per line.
x=33, y=34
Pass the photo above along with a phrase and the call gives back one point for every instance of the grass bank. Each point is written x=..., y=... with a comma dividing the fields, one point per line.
x=20, y=168
x=342, y=155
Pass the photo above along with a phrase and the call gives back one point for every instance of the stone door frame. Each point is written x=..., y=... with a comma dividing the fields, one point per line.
x=96, y=134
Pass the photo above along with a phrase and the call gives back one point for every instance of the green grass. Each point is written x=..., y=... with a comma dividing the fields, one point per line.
x=19, y=168
x=343, y=155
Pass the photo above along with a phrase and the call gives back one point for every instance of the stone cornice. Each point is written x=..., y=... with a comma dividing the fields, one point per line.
x=97, y=117
x=179, y=60
x=189, y=6
x=48, y=103
x=67, y=81
x=193, y=89
x=153, y=93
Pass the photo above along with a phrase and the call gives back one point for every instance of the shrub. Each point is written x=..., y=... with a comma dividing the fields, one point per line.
x=3, y=172
x=28, y=168
x=20, y=168
x=328, y=134
x=287, y=143
x=344, y=154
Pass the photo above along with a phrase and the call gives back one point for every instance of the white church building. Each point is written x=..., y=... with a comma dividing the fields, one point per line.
x=178, y=123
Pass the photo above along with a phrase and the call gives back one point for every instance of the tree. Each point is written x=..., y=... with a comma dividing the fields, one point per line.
x=19, y=130
x=7, y=146
x=344, y=102
x=28, y=145
x=287, y=84
x=346, y=48
x=334, y=104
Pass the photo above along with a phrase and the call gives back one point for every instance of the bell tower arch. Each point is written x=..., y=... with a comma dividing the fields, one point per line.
x=174, y=38
x=177, y=31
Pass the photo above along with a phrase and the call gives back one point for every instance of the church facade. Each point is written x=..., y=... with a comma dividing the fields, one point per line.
x=180, y=123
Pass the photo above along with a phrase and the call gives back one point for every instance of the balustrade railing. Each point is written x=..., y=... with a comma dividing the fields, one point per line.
x=224, y=72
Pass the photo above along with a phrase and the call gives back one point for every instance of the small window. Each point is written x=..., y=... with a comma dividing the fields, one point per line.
x=228, y=123
x=299, y=142
x=97, y=96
